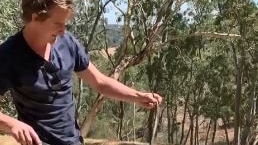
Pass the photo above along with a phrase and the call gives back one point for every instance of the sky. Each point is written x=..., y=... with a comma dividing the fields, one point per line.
x=112, y=13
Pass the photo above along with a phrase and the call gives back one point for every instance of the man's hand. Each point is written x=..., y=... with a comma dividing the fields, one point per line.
x=149, y=100
x=23, y=133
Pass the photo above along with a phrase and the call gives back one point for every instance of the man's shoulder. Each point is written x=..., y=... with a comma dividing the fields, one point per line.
x=7, y=49
x=8, y=44
x=68, y=36
x=69, y=39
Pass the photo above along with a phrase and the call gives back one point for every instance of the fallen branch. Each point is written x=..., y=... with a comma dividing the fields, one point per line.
x=209, y=34
x=108, y=142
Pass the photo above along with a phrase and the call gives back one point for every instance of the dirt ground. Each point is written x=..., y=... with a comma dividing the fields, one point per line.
x=220, y=138
x=8, y=140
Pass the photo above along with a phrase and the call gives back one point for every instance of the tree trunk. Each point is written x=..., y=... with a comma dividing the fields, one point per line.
x=239, y=73
x=175, y=127
x=208, y=132
x=187, y=136
x=172, y=130
x=185, y=110
x=134, y=110
x=226, y=130
x=90, y=118
x=196, y=141
x=250, y=116
x=184, y=118
x=196, y=113
x=214, y=132
x=247, y=129
x=170, y=138
x=121, y=117
x=79, y=99
x=150, y=126
x=191, y=128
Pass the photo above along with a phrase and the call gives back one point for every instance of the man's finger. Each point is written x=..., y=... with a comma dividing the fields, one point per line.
x=16, y=136
x=35, y=137
x=149, y=105
x=151, y=98
x=22, y=138
x=28, y=138
x=158, y=98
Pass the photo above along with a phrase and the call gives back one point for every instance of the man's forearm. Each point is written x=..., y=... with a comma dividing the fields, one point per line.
x=115, y=89
x=5, y=121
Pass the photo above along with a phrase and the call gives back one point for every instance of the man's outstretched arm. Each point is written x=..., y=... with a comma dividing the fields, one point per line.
x=116, y=90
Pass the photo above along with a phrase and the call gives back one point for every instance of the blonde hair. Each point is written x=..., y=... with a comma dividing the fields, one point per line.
x=41, y=7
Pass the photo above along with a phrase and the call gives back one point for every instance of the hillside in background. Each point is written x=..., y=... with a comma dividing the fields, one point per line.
x=114, y=34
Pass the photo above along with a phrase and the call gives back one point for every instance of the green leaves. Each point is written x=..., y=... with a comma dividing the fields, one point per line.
x=10, y=21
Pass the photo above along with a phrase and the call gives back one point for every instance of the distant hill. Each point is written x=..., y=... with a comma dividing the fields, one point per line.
x=115, y=35
x=111, y=51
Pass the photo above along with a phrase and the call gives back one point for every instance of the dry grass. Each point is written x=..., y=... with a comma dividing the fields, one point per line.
x=7, y=140
x=111, y=51
x=109, y=142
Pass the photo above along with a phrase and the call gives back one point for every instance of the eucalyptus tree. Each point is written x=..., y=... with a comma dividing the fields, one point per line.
x=89, y=26
x=194, y=50
x=212, y=71
x=144, y=23
x=239, y=17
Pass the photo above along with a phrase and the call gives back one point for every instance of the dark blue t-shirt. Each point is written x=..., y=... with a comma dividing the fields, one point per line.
x=43, y=96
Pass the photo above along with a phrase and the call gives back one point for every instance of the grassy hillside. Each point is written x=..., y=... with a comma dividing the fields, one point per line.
x=115, y=35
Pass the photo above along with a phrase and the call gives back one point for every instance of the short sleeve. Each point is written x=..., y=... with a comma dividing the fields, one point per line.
x=81, y=55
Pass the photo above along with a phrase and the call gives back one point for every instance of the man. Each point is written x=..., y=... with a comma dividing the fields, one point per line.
x=37, y=65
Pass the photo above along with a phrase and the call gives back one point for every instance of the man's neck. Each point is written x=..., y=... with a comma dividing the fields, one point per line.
x=36, y=43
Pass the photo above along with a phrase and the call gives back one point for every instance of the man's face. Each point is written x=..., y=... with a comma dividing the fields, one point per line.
x=54, y=25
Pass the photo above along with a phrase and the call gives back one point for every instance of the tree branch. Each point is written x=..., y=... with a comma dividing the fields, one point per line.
x=119, y=9
x=96, y=23
x=209, y=34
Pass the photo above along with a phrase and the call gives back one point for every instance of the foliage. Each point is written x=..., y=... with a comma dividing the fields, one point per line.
x=10, y=22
